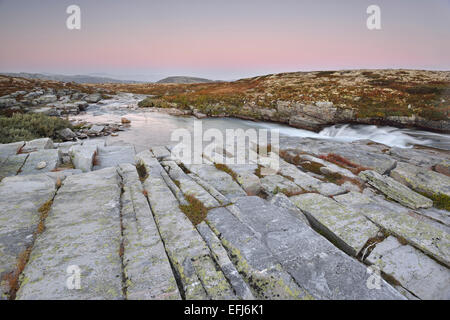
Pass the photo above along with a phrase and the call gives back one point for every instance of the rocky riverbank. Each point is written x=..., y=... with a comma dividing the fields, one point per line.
x=313, y=100
x=334, y=221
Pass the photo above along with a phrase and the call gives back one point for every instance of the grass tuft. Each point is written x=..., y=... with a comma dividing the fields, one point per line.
x=195, y=210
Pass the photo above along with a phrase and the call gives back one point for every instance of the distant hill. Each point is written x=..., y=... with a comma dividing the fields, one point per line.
x=66, y=78
x=180, y=79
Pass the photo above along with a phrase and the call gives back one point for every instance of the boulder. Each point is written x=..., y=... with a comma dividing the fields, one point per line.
x=45, y=99
x=8, y=103
x=67, y=134
x=93, y=98
x=96, y=129
x=83, y=156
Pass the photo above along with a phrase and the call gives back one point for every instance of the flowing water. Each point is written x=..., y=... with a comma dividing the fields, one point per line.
x=153, y=128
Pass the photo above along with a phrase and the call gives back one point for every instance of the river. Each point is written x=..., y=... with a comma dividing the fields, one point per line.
x=150, y=128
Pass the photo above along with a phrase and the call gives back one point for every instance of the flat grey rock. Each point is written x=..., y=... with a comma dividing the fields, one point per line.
x=147, y=268
x=349, y=229
x=275, y=184
x=38, y=144
x=220, y=180
x=10, y=149
x=424, y=236
x=258, y=265
x=422, y=180
x=415, y=271
x=189, y=254
x=12, y=165
x=239, y=285
x=82, y=230
x=82, y=156
x=318, y=266
x=51, y=157
x=20, y=199
x=188, y=186
x=282, y=201
x=395, y=190
x=112, y=156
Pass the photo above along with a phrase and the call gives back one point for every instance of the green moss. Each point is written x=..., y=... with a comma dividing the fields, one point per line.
x=195, y=210
x=440, y=201
x=153, y=103
x=23, y=127
x=224, y=168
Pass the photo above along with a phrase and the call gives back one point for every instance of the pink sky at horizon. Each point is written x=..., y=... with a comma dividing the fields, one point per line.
x=153, y=39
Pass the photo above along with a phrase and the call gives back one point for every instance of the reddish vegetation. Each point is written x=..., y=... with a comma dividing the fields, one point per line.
x=12, y=84
x=373, y=93
x=341, y=161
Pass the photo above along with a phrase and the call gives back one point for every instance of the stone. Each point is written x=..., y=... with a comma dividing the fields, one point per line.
x=237, y=282
x=188, y=186
x=160, y=152
x=41, y=165
x=259, y=267
x=10, y=149
x=34, y=162
x=38, y=144
x=245, y=176
x=275, y=184
x=112, y=156
x=96, y=129
x=282, y=201
x=83, y=230
x=443, y=216
x=320, y=268
x=396, y=190
x=304, y=121
x=64, y=147
x=124, y=120
x=300, y=178
x=147, y=269
x=211, y=190
x=82, y=156
x=93, y=98
x=381, y=163
x=220, y=180
x=422, y=235
x=12, y=165
x=48, y=98
x=425, y=158
x=8, y=103
x=20, y=200
x=421, y=180
x=330, y=189
x=415, y=271
x=189, y=254
x=327, y=167
x=348, y=229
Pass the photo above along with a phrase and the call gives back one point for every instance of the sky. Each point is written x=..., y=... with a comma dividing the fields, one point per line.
x=223, y=40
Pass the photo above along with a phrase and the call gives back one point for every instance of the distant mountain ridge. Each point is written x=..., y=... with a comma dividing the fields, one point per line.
x=184, y=80
x=67, y=78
